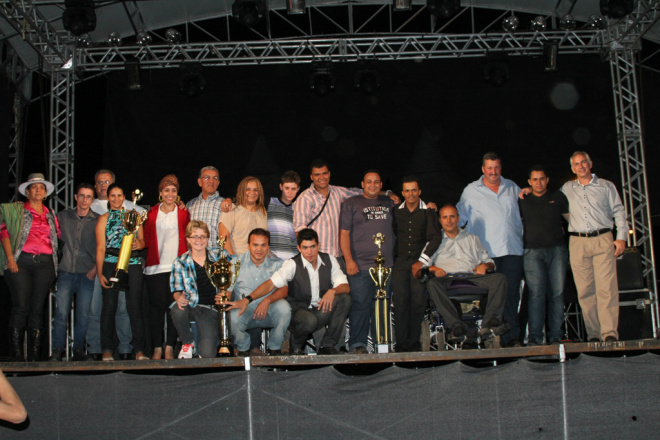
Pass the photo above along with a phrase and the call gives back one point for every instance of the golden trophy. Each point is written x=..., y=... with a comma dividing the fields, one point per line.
x=223, y=275
x=131, y=220
x=380, y=274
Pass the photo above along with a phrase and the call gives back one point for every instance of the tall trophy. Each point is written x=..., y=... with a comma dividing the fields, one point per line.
x=131, y=221
x=223, y=274
x=380, y=274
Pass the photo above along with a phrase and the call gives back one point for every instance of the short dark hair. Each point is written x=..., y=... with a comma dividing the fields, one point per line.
x=490, y=156
x=110, y=188
x=307, y=234
x=259, y=232
x=536, y=167
x=290, y=177
x=84, y=185
x=409, y=179
x=371, y=170
x=318, y=163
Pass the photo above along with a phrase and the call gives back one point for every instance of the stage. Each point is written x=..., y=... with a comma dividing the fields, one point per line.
x=580, y=390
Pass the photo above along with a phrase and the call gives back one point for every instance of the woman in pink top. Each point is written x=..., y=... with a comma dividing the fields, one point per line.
x=29, y=233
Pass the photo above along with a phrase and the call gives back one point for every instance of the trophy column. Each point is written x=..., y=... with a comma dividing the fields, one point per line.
x=380, y=274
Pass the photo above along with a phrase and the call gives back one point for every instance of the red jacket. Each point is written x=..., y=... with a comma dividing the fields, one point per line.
x=150, y=239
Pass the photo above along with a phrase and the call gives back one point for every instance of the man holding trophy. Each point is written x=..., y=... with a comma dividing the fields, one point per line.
x=362, y=218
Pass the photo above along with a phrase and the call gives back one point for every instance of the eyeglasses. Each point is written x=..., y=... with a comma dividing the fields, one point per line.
x=103, y=182
x=207, y=178
x=198, y=237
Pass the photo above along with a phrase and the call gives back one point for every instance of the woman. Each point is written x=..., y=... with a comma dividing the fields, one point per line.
x=165, y=237
x=194, y=295
x=249, y=214
x=29, y=234
x=109, y=234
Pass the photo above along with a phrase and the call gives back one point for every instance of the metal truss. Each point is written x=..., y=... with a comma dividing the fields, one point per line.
x=397, y=47
x=62, y=139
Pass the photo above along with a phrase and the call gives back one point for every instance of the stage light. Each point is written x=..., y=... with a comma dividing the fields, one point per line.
x=550, y=51
x=114, y=39
x=496, y=73
x=79, y=16
x=443, y=8
x=172, y=36
x=322, y=80
x=402, y=5
x=616, y=8
x=84, y=41
x=295, y=7
x=567, y=23
x=538, y=24
x=192, y=82
x=596, y=22
x=132, y=67
x=367, y=79
x=249, y=12
x=510, y=23
x=143, y=38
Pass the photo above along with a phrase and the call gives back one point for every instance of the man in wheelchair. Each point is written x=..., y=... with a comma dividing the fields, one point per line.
x=462, y=256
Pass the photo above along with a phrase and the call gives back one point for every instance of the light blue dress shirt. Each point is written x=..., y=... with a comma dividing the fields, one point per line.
x=251, y=276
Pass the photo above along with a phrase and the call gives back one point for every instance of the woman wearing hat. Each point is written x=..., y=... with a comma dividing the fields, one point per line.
x=165, y=238
x=28, y=233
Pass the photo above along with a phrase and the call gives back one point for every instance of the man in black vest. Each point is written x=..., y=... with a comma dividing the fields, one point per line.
x=317, y=294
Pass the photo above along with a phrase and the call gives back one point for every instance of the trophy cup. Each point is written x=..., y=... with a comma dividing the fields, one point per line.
x=131, y=220
x=223, y=274
x=380, y=274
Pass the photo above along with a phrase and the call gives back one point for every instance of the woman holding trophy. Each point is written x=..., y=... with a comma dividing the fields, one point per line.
x=113, y=229
x=165, y=238
x=249, y=214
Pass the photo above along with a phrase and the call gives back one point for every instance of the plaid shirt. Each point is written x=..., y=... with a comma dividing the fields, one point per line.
x=184, y=277
x=207, y=211
x=309, y=204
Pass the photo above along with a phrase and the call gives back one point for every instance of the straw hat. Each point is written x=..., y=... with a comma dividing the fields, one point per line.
x=36, y=178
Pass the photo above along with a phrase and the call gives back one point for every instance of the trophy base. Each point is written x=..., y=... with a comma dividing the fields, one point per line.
x=382, y=348
x=225, y=352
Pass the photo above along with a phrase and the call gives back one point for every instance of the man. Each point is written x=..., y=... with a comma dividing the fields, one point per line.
x=462, y=256
x=418, y=237
x=594, y=207
x=490, y=208
x=280, y=217
x=362, y=217
x=317, y=294
x=270, y=310
x=319, y=205
x=546, y=257
x=77, y=273
x=103, y=179
x=207, y=206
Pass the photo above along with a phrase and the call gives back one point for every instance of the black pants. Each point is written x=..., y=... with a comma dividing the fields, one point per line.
x=409, y=304
x=160, y=299
x=29, y=289
x=133, y=306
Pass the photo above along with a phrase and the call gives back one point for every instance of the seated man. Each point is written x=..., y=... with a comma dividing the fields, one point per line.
x=317, y=294
x=462, y=253
x=248, y=310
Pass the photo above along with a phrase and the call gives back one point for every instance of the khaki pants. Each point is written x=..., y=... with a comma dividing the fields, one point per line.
x=594, y=271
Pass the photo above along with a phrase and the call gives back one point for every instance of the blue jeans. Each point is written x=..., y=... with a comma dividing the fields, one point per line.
x=277, y=319
x=511, y=266
x=69, y=283
x=122, y=322
x=362, y=316
x=545, y=274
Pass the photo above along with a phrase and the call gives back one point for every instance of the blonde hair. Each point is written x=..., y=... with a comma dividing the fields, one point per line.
x=240, y=193
x=197, y=224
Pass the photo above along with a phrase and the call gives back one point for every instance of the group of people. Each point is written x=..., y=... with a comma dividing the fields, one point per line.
x=304, y=262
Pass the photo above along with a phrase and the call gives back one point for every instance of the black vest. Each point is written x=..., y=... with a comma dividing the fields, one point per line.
x=300, y=287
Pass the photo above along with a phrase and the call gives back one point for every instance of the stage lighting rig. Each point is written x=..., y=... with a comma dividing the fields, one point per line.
x=79, y=16
x=322, y=80
x=443, y=8
x=367, y=78
x=616, y=8
x=295, y=7
x=192, y=81
x=249, y=12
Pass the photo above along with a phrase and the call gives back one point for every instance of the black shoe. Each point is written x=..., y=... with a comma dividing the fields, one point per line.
x=297, y=351
x=245, y=353
x=96, y=356
x=611, y=339
x=58, y=354
x=271, y=352
x=328, y=350
x=359, y=350
x=513, y=343
x=79, y=355
x=124, y=356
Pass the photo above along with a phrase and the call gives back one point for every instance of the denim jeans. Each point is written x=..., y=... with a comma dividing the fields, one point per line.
x=545, y=274
x=511, y=266
x=277, y=319
x=29, y=289
x=122, y=322
x=362, y=316
x=68, y=284
x=207, y=328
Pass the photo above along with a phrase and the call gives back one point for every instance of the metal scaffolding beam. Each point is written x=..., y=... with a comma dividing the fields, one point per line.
x=62, y=139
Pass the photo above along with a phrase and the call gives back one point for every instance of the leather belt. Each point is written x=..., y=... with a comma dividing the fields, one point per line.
x=38, y=258
x=590, y=234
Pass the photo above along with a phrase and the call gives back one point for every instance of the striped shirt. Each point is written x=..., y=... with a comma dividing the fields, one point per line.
x=308, y=206
x=280, y=225
x=207, y=211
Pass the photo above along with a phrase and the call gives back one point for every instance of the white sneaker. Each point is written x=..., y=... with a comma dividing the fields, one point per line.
x=186, y=351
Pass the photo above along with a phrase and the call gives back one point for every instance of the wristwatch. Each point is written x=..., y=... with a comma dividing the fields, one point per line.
x=249, y=298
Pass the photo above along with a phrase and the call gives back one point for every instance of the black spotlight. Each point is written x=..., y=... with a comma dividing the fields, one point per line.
x=132, y=67
x=192, y=81
x=550, y=51
x=616, y=8
x=249, y=12
x=443, y=8
x=322, y=80
x=366, y=79
x=496, y=73
x=79, y=16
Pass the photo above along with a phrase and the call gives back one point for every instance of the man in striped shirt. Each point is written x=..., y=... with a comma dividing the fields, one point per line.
x=280, y=217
